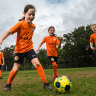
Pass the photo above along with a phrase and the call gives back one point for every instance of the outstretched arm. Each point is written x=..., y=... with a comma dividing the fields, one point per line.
x=91, y=46
x=4, y=36
x=39, y=47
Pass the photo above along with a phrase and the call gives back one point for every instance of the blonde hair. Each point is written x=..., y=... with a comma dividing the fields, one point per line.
x=92, y=25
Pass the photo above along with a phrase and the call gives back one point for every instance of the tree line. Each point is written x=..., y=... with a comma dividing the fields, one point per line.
x=75, y=52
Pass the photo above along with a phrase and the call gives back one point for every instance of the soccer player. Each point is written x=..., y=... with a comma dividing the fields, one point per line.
x=24, y=46
x=2, y=62
x=93, y=37
x=52, y=42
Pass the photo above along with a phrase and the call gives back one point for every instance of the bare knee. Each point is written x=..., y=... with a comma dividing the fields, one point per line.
x=52, y=59
x=37, y=65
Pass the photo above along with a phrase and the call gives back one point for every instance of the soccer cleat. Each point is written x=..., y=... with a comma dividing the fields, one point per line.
x=7, y=87
x=54, y=77
x=1, y=78
x=47, y=86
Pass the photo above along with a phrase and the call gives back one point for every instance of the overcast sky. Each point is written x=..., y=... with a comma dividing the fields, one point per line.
x=64, y=15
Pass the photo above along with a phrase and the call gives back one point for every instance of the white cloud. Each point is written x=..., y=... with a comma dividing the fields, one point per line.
x=64, y=15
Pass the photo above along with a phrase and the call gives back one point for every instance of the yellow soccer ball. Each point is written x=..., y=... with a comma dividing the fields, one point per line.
x=62, y=84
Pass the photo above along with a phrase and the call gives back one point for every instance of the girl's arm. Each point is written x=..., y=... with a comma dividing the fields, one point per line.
x=59, y=46
x=4, y=36
x=3, y=60
x=39, y=47
x=91, y=46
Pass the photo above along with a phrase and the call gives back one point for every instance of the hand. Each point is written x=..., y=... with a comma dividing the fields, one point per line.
x=37, y=51
x=61, y=38
x=3, y=64
x=1, y=41
x=93, y=48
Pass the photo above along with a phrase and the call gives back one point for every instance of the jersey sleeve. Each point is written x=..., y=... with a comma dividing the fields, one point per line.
x=91, y=38
x=15, y=28
x=33, y=26
x=44, y=40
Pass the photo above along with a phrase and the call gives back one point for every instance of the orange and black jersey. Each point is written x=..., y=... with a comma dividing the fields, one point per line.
x=1, y=55
x=51, y=43
x=24, y=35
x=93, y=38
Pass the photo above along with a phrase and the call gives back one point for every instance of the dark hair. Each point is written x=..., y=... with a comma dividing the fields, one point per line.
x=53, y=28
x=27, y=7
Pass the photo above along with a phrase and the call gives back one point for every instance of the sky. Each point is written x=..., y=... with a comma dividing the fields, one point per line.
x=64, y=15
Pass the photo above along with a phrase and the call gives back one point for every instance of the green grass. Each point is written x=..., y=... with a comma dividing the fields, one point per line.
x=28, y=83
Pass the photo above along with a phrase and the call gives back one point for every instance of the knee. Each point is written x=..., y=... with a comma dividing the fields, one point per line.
x=16, y=58
x=37, y=65
x=52, y=59
x=15, y=69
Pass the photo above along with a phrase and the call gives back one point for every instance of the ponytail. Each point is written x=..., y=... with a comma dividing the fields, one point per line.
x=22, y=19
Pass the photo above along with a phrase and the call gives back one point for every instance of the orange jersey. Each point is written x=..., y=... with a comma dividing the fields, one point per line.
x=24, y=35
x=93, y=38
x=1, y=55
x=51, y=43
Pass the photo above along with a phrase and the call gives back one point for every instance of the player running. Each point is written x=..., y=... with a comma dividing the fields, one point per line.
x=52, y=42
x=24, y=46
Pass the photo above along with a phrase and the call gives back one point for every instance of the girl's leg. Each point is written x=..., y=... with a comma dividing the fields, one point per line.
x=0, y=73
x=41, y=73
x=55, y=66
x=39, y=69
x=13, y=72
x=12, y=76
x=18, y=59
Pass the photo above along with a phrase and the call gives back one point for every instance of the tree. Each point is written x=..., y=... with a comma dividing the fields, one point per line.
x=43, y=58
x=9, y=56
x=77, y=52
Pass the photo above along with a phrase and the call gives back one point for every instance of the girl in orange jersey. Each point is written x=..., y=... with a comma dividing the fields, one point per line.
x=24, y=46
x=1, y=61
x=93, y=37
x=51, y=43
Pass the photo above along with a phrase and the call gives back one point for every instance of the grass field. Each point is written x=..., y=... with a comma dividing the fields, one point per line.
x=28, y=83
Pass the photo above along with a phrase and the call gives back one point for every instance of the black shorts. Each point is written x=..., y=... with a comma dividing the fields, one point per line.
x=0, y=67
x=52, y=58
x=19, y=57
